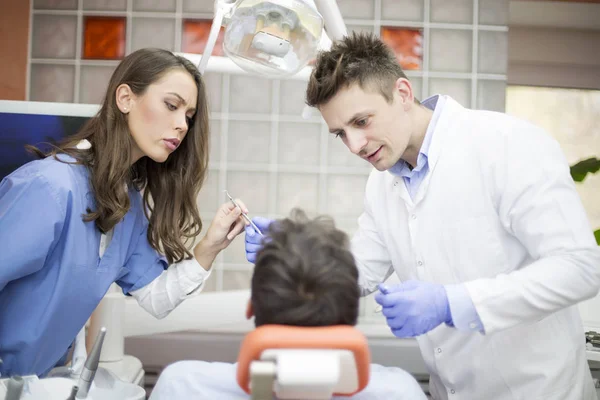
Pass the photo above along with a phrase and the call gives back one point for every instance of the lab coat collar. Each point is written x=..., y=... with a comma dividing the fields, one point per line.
x=451, y=115
x=402, y=168
x=449, y=119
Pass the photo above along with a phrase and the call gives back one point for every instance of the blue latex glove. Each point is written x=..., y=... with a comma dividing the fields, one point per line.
x=254, y=241
x=414, y=307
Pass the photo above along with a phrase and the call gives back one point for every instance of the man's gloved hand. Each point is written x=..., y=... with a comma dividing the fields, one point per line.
x=254, y=241
x=413, y=308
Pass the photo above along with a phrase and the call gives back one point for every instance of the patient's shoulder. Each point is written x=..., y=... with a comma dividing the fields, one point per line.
x=199, y=368
x=391, y=383
x=198, y=380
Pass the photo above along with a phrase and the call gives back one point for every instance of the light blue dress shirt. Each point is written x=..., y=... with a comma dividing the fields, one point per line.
x=51, y=275
x=464, y=315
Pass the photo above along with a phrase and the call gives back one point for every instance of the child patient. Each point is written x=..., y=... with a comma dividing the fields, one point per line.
x=304, y=276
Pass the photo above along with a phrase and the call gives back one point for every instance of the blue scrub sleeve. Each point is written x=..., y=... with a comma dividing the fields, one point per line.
x=32, y=216
x=143, y=266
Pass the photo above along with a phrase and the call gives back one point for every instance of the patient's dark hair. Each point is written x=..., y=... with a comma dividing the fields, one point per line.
x=305, y=275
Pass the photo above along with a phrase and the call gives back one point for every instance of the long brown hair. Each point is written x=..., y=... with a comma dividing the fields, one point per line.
x=170, y=188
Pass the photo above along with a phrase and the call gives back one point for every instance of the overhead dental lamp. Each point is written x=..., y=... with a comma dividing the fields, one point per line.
x=273, y=37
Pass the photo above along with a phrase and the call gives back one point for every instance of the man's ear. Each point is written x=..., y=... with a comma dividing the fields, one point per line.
x=124, y=97
x=249, y=310
x=403, y=89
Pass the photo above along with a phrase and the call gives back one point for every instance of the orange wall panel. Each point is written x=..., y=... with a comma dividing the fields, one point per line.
x=407, y=44
x=103, y=38
x=195, y=35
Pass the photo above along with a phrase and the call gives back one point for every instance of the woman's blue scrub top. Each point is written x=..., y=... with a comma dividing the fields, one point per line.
x=51, y=275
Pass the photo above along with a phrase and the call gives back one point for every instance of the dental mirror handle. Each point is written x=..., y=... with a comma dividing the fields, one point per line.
x=244, y=215
x=14, y=388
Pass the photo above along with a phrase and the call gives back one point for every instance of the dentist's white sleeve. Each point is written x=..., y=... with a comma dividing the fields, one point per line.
x=539, y=205
x=170, y=288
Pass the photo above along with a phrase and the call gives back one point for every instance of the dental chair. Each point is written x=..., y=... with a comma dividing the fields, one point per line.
x=293, y=362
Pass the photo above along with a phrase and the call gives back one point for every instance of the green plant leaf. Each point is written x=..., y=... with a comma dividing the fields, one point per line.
x=597, y=234
x=580, y=170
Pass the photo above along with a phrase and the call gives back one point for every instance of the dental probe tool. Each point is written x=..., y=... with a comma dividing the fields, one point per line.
x=244, y=214
x=91, y=365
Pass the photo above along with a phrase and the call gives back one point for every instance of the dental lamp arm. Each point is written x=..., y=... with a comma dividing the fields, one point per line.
x=212, y=36
x=334, y=23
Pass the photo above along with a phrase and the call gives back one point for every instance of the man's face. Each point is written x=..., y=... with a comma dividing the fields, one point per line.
x=369, y=126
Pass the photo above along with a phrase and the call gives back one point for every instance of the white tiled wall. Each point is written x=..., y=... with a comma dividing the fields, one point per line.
x=262, y=150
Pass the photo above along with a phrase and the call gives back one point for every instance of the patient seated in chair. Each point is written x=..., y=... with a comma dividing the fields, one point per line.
x=305, y=275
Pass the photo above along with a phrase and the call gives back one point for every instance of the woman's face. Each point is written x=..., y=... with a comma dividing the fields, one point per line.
x=159, y=118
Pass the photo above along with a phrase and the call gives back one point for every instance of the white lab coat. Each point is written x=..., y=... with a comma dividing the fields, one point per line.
x=499, y=212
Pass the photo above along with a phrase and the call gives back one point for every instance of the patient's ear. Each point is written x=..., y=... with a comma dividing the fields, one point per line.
x=249, y=310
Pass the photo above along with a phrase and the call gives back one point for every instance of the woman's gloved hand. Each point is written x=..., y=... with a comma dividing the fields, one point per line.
x=413, y=308
x=254, y=240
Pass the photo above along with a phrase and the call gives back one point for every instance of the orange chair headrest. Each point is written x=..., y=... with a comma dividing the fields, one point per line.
x=338, y=337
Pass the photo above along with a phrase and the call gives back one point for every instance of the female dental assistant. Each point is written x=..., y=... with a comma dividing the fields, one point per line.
x=76, y=221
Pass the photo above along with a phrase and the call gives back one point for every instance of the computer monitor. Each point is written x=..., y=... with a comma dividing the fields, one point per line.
x=36, y=123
